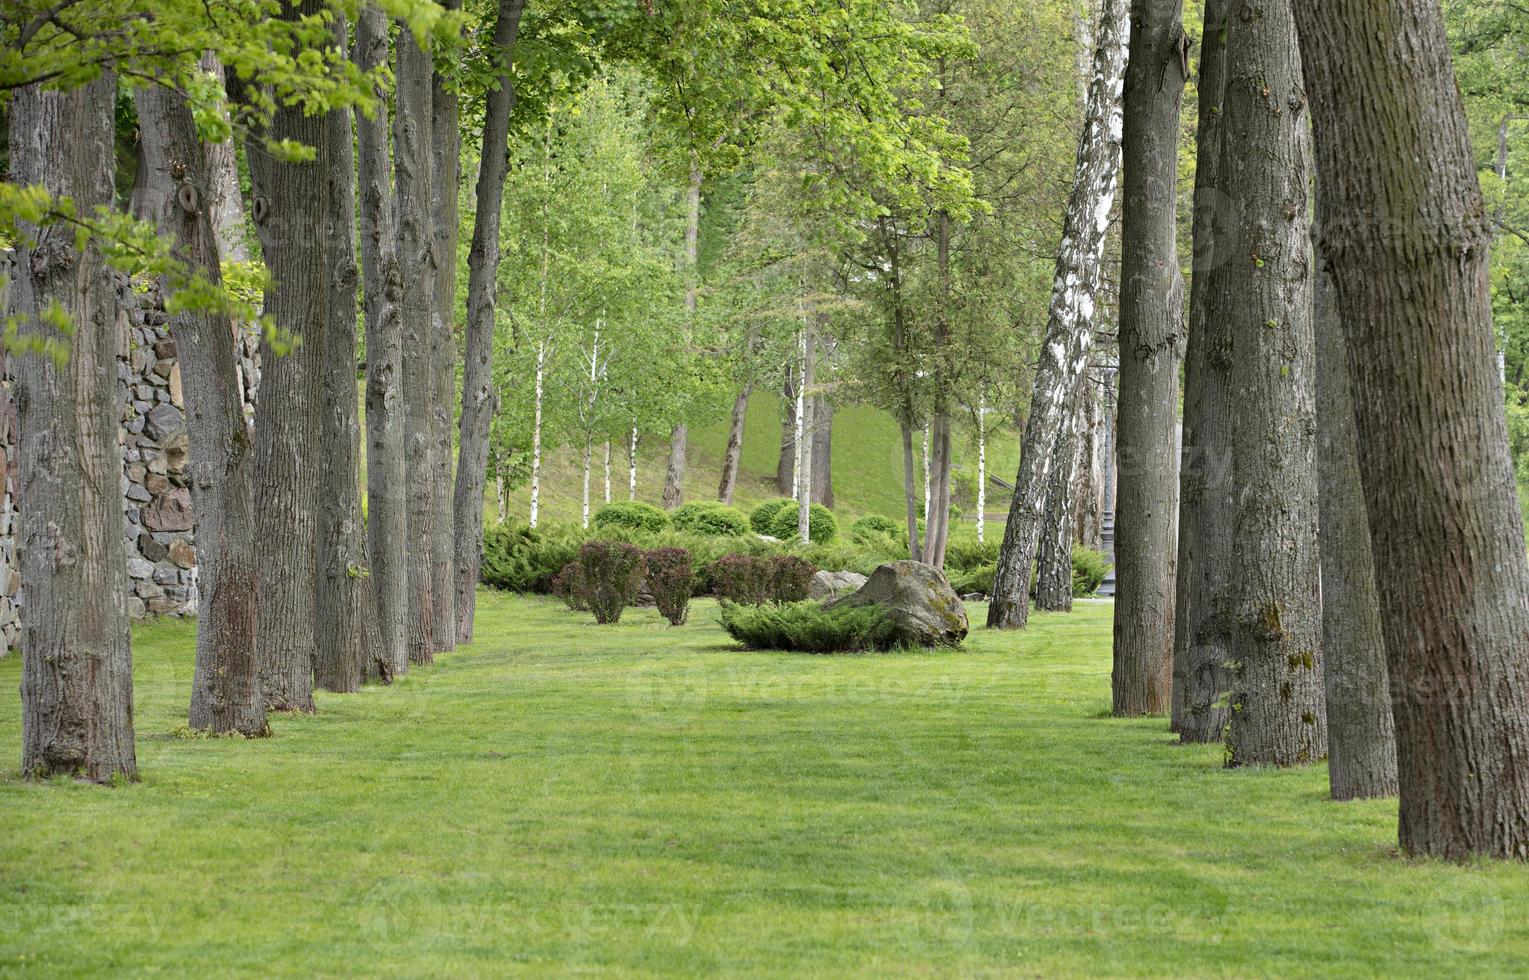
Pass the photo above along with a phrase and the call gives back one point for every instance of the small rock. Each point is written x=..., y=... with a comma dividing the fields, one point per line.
x=831, y=585
x=182, y=553
x=135, y=608
x=165, y=420
x=139, y=568
x=152, y=548
x=169, y=512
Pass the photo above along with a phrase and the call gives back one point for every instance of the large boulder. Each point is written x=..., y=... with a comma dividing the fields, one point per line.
x=831, y=585
x=924, y=610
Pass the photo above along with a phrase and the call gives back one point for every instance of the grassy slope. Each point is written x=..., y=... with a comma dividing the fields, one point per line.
x=636, y=800
x=867, y=463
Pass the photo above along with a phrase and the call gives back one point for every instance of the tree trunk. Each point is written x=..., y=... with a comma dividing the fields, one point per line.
x=588, y=456
x=607, y=471
x=1361, y=738
x=1405, y=238
x=412, y=143
x=225, y=691
x=785, y=470
x=1151, y=335
x=225, y=204
x=77, y=670
x=346, y=602
x=822, y=451
x=287, y=414
x=479, y=399
x=734, y=451
x=927, y=495
x=1087, y=519
x=1069, y=327
x=1202, y=615
x=631, y=466
x=910, y=495
x=674, y=476
x=382, y=286
x=446, y=175
x=1278, y=716
x=1053, y=585
x=981, y=470
x=937, y=530
x=536, y=434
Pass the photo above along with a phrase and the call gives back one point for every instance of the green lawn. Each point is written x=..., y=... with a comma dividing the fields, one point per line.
x=562, y=797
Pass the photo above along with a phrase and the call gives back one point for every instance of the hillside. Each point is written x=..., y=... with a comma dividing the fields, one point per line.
x=867, y=466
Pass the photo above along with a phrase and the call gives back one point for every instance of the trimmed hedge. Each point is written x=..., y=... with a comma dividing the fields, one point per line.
x=822, y=527
x=871, y=528
x=808, y=627
x=633, y=514
x=711, y=519
x=671, y=580
x=762, y=518
x=609, y=575
x=755, y=581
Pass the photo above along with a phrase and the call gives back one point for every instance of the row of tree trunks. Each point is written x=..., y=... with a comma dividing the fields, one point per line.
x=479, y=399
x=1069, y=328
x=1151, y=338
x=382, y=288
x=445, y=173
x=1202, y=627
x=412, y=167
x=1278, y=712
x=76, y=679
x=1405, y=237
x=178, y=194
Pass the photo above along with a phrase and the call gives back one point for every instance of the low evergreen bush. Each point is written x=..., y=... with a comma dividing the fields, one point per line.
x=525, y=559
x=762, y=518
x=1089, y=567
x=979, y=579
x=609, y=575
x=872, y=528
x=671, y=579
x=822, y=527
x=808, y=627
x=710, y=519
x=632, y=514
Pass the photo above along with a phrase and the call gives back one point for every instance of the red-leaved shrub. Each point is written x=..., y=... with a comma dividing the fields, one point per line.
x=609, y=575
x=671, y=579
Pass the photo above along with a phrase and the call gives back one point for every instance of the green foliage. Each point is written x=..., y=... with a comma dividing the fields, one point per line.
x=524, y=559
x=977, y=579
x=1089, y=567
x=609, y=576
x=671, y=580
x=710, y=518
x=822, y=527
x=565, y=585
x=762, y=517
x=872, y=528
x=964, y=552
x=632, y=514
x=808, y=627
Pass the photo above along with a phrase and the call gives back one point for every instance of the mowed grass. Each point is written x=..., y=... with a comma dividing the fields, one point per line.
x=567, y=798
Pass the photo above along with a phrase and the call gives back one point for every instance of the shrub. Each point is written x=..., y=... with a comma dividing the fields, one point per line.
x=979, y=579
x=762, y=518
x=742, y=579
x=870, y=529
x=710, y=519
x=790, y=577
x=808, y=627
x=840, y=555
x=633, y=514
x=525, y=559
x=821, y=525
x=1089, y=567
x=566, y=586
x=609, y=575
x=964, y=553
x=671, y=580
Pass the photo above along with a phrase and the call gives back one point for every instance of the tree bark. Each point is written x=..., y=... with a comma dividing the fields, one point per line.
x=382, y=286
x=1069, y=327
x=291, y=227
x=1151, y=335
x=537, y=391
x=479, y=399
x=981, y=470
x=1202, y=615
x=674, y=475
x=910, y=495
x=822, y=451
x=445, y=176
x=1053, y=585
x=631, y=466
x=346, y=603
x=1278, y=712
x=182, y=184
x=417, y=257
x=77, y=670
x=785, y=470
x=1405, y=237
x=937, y=528
x=734, y=451
x=1361, y=738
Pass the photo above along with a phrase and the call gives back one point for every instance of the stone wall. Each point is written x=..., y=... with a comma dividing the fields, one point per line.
x=156, y=495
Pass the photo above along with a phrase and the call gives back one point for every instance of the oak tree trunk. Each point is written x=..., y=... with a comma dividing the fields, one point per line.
x=1202, y=614
x=382, y=285
x=479, y=399
x=77, y=670
x=181, y=184
x=417, y=258
x=1278, y=714
x=1361, y=738
x=1405, y=236
x=1151, y=339
x=1069, y=326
